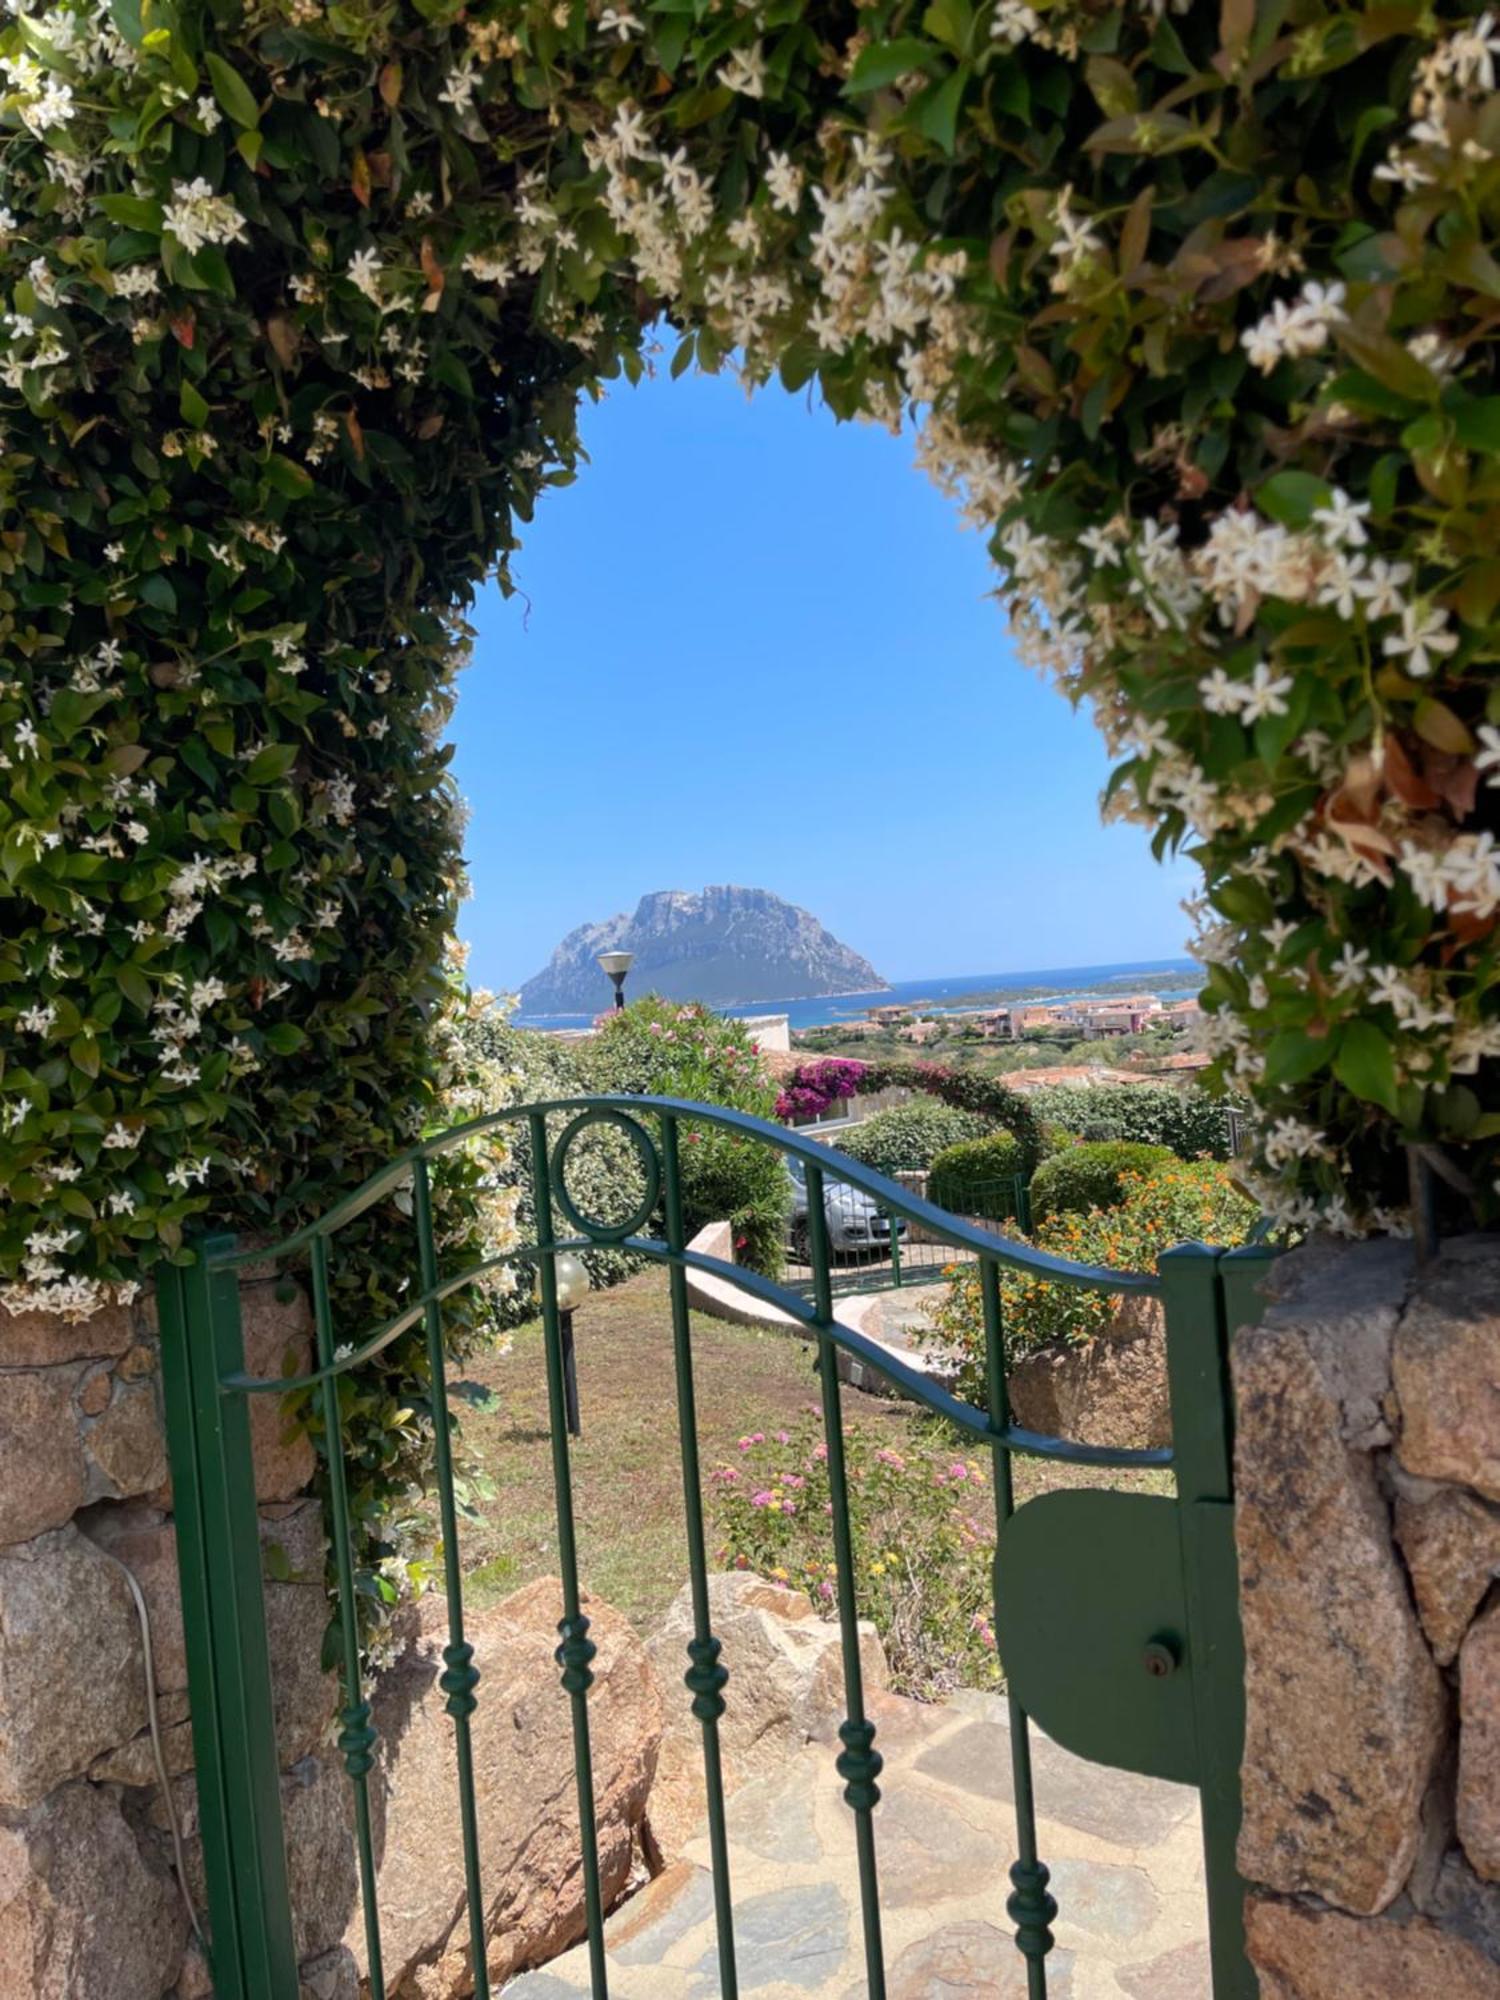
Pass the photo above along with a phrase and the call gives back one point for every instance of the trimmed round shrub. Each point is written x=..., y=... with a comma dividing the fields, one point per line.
x=909, y=1137
x=977, y=1176
x=1090, y=1176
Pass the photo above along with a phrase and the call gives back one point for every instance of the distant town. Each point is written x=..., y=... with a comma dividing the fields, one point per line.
x=1087, y=1038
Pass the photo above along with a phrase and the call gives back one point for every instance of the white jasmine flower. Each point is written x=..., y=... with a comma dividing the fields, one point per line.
x=210, y=117
x=363, y=273
x=196, y=215
x=1343, y=521
x=1424, y=638
x=745, y=72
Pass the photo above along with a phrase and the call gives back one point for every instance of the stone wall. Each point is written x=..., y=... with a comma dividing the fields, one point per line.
x=1368, y=1475
x=90, y=1906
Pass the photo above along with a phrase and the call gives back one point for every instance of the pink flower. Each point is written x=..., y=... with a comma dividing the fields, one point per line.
x=891, y=1458
x=820, y=1451
x=783, y=1437
x=761, y=1499
x=825, y=1589
x=958, y=1471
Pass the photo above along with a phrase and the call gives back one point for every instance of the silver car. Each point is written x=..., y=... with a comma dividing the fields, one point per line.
x=855, y=1219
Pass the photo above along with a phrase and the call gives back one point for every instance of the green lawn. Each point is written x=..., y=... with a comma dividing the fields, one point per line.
x=627, y=1475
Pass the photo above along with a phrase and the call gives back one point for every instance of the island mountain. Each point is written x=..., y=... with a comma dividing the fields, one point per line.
x=726, y=946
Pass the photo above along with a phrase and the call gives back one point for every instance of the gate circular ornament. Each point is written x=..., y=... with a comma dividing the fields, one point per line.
x=1189, y=308
x=645, y=1151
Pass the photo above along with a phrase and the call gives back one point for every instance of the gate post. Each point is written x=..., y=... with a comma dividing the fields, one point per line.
x=1203, y=1461
x=229, y=1667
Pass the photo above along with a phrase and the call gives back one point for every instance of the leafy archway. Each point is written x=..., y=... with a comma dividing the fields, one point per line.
x=815, y=1087
x=1193, y=311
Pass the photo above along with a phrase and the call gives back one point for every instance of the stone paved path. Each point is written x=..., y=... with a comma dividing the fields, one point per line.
x=1124, y=1851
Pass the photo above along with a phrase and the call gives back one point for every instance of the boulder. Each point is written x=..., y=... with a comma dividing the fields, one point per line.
x=525, y=1789
x=1478, y=1809
x=278, y=1330
x=1451, y=1542
x=71, y=1666
x=127, y=1442
x=43, y=1340
x=1346, y=1711
x=83, y=1916
x=785, y=1689
x=1303, y=1952
x=1447, y=1369
x=43, y=1473
x=293, y=1543
x=1109, y=1390
x=334, y=1976
x=317, y=1813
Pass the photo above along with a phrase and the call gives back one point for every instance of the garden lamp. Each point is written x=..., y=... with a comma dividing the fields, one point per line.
x=617, y=964
x=573, y=1285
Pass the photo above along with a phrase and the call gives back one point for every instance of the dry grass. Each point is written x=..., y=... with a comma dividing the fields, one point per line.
x=627, y=1477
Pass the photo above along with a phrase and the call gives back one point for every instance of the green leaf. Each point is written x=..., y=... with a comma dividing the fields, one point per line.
x=284, y=1038
x=1292, y=1057
x=272, y=763
x=157, y=590
x=192, y=406
x=232, y=91
x=84, y=1052
x=132, y=211
x=935, y=111
x=1290, y=497
x=286, y=476
x=1364, y=1064
x=1476, y=422
x=136, y=987
x=883, y=62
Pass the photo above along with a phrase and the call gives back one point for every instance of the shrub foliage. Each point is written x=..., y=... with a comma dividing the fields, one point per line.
x=1175, y=1203
x=1189, y=1121
x=1090, y=1176
x=923, y=1525
x=667, y=1048
x=909, y=1137
x=977, y=1176
x=1195, y=311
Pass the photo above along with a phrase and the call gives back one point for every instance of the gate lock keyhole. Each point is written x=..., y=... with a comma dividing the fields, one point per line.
x=1162, y=1656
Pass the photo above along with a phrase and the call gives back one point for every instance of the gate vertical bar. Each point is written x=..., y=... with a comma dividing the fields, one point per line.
x=357, y=1737
x=1031, y=1907
x=1203, y=1461
x=229, y=1666
x=706, y=1678
x=460, y=1675
x=577, y=1649
x=860, y=1763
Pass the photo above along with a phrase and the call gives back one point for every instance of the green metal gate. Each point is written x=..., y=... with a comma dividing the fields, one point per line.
x=1116, y=1613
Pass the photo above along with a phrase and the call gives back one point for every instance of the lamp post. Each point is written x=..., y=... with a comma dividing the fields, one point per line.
x=617, y=964
x=572, y=1290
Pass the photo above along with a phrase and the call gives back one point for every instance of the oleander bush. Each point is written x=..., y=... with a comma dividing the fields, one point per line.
x=977, y=1176
x=909, y=1137
x=1176, y=1202
x=602, y=1174
x=1091, y=1176
x=922, y=1520
x=668, y=1048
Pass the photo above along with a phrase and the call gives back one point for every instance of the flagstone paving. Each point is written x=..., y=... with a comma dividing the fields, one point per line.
x=1127, y=1872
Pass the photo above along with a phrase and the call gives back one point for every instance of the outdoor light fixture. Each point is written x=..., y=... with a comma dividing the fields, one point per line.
x=573, y=1285
x=617, y=964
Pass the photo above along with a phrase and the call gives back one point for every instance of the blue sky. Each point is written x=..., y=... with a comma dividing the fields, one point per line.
x=758, y=648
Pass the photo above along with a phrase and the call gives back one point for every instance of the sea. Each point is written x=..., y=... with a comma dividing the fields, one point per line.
x=952, y=995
